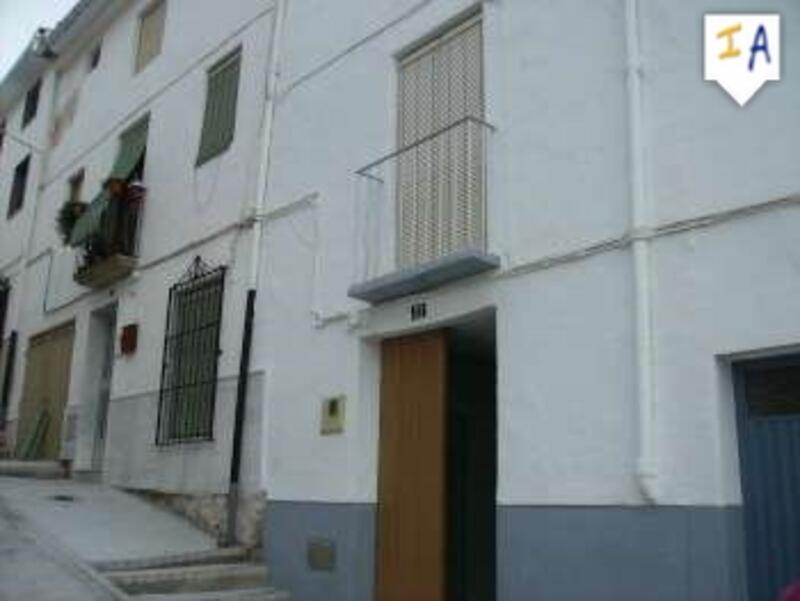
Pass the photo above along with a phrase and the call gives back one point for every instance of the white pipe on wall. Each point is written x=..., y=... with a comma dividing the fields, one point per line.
x=273, y=77
x=646, y=465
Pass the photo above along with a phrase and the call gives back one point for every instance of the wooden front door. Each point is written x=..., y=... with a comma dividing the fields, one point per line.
x=47, y=375
x=412, y=488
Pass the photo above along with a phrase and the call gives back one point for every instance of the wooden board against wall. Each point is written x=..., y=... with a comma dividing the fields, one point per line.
x=411, y=538
x=46, y=387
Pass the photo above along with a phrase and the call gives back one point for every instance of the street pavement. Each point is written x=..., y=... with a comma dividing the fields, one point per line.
x=52, y=530
x=29, y=571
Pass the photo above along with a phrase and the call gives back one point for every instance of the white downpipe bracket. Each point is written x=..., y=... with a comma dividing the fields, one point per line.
x=646, y=465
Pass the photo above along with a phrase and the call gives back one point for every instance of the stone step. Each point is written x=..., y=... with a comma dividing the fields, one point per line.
x=256, y=594
x=44, y=470
x=191, y=579
x=225, y=555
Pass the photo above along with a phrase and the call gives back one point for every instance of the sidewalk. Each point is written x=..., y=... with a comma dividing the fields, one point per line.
x=99, y=523
x=29, y=571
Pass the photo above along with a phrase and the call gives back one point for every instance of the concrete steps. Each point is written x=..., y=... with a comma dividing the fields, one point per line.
x=260, y=594
x=198, y=558
x=190, y=579
x=214, y=575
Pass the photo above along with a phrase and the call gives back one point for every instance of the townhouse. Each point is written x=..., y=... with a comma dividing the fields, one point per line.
x=503, y=292
x=132, y=146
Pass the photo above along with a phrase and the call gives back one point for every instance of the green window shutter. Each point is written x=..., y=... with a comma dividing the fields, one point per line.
x=219, y=120
x=132, y=145
x=90, y=221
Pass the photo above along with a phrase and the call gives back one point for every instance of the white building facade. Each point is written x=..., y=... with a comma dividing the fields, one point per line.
x=195, y=206
x=525, y=318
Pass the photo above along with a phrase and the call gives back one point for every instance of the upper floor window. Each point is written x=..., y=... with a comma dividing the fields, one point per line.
x=440, y=167
x=219, y=120
x=95, y=55
x=151, y=33
x=18, y=186
x=31, y=103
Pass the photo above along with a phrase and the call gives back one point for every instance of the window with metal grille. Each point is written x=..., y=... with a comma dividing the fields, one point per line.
x=219, y=119
x=440, y=177
x=191, y=350
x=18, y=186
x=31, y=103
x=151, y=33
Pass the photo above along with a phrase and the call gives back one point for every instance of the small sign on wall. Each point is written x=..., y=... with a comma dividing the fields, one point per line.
x=129, y=339
x=332, y=419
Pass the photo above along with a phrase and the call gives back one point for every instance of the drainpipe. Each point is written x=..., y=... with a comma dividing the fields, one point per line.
x=646, y=470
x=260, y=202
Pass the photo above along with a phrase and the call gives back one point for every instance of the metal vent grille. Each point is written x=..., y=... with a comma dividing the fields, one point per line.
x=440, y=183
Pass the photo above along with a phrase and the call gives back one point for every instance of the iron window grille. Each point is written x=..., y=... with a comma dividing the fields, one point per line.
x=191, y=350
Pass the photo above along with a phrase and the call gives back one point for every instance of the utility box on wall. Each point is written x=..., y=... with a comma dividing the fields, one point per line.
x=332, y=419
x=129, y=339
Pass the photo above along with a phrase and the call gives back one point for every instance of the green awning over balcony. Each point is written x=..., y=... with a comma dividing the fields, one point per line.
x=132, y=145
x=89, y=222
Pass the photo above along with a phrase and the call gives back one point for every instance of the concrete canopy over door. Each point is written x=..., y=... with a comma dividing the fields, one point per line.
x=46, y=388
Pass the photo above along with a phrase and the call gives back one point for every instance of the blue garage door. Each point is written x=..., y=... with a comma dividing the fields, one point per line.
x=769, y=425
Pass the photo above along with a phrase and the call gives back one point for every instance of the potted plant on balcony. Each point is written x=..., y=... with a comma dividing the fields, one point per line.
x=67, y=217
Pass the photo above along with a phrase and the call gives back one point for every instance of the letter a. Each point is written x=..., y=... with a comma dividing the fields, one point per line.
x=760, y=44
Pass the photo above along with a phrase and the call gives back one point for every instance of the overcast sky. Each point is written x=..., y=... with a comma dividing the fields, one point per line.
x=19, y=20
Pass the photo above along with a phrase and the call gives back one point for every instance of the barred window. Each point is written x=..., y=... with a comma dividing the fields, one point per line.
x=191, y=349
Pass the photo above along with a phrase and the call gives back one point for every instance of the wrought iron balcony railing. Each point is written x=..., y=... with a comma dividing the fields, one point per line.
x=423, y=203
x=109, y=253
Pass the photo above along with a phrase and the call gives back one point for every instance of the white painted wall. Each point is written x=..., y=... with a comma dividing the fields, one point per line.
x=188, y=212
x=559, y=181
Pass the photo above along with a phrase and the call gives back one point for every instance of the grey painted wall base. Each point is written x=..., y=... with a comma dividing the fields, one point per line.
x=620, y=554
x=544, y=553
x=289, y=528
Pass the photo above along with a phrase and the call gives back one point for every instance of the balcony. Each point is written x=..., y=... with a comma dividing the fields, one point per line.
x=421, y=214
x=106, y=243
